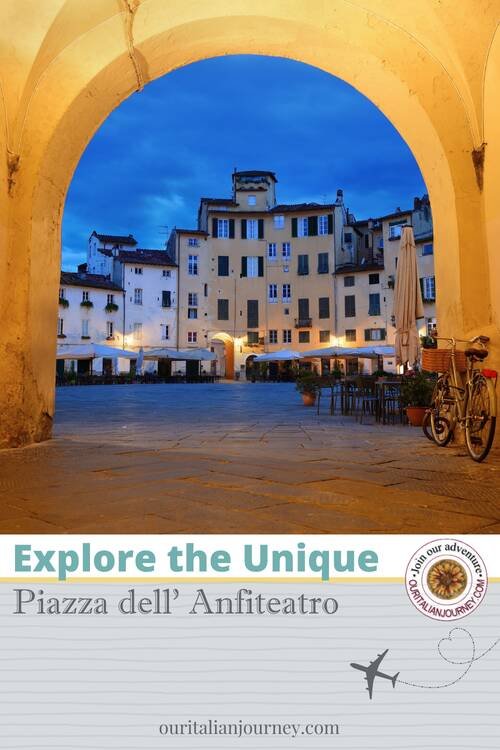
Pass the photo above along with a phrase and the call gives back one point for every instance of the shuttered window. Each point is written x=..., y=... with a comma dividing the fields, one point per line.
x=374, y=304
x=252, y=313
x=350, y=306
x=303, y=309
x=252, y=229
x=223, y=309
x=303, y=265
x=252, y=265
x=324, y=307
x=375, y=334
x=322, y=262
x=223, y=229
x=223, y=265
x=166, y=299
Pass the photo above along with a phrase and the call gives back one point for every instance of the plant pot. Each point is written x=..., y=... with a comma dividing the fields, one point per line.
x=308, y=398
x=416, y=415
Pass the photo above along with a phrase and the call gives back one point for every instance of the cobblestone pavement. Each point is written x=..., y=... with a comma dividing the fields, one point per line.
x=236, y=458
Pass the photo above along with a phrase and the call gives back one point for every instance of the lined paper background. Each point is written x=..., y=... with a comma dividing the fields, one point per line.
x=110, y=681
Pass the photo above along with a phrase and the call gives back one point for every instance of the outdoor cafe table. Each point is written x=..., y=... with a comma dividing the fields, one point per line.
x=382, y=390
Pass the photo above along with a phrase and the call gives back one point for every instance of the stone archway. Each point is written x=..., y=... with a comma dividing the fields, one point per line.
x=68, y=65
x=227, y=367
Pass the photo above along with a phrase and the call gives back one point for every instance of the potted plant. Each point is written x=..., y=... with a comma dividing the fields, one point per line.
x=63, y=302
x=111, y=307
x=308, y=387
x=86, y=303
x=416, y=394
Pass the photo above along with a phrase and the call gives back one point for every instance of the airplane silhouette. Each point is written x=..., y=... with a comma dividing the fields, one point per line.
x=372, y=671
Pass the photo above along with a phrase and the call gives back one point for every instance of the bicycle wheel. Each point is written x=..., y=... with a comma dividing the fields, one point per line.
x=480, y=420
x=427, y=427
x=442, y=412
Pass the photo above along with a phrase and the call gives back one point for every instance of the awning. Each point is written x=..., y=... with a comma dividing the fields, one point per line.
x=285, y=355
x=92, y=351
x=181, y=355
x=330, y=352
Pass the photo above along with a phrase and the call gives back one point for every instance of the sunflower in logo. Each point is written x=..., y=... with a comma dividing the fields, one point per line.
x=447, y=579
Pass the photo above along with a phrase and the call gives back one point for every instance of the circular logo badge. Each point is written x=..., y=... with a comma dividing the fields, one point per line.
x=446, y=579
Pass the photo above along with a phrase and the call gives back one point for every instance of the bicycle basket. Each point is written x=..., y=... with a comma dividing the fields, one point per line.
x=439, y=360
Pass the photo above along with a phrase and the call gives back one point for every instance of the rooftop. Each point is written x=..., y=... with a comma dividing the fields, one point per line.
x=146, y=257
x=93, y=280
x=118, y=239
x=292, y=207
x=256, y=173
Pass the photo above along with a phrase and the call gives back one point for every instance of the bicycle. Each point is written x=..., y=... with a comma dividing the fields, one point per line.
x=471, y=404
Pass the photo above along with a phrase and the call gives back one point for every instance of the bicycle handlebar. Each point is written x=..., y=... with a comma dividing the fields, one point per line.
x=483, y=340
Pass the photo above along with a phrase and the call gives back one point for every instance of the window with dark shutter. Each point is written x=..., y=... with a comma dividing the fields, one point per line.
x=252, y=337
x=330, y=223
x=231, y=229
x=324, y=307
x=261, y=229
x=303, y=309
x=166, y=299
x=368, y=334
x=214, y=228
x=350, y=334
x=304, y=337
x=294, y=226
x=223, y=265
x=374, y=304
x=350, y=306
x=303, y=265
x=349, y=280
x=322, y=262
x=261, y=264
x=312, y=226
x=373, y=278
x=252, y=313
x=244, y=265
x=243, y=229
x=223, y=309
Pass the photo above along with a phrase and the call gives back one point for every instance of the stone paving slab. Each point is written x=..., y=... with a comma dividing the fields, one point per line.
x=236, y=458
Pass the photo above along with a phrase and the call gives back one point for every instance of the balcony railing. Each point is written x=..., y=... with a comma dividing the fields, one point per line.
x=303, y=322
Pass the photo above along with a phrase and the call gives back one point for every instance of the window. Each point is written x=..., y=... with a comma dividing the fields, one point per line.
x=60, y=327
x=428, y=249
x=374, y=304
x=428, y=287
x=252, y=337
x=324, y=337
x=323, y=224
x=62, y=293
x=273, y=336
x=205, y=290
x=286, y=311
x=374, y=278
x=193, y=242
x=348, y=238
x=252, y=266
x=350, y=306
x=350, y=334
x=85, y=328
x=193, y=299
x=137, y=331
x=273, y=292
x=222, y=229
x=287, y=336
x=395, y=229
x=109, y=329
x=252, y=313
x=303, y=265
x=138, y=271
x=324, y=307
x=349, y=280
x=166, y=298
x=192, y=313
x=223, y=309
x=192, y=265
x=85, y=297
x=271, y=250
x=164, y=331
x=137, y=296
x=192, y=337
x=166, y=274
x=286, y=293
x=375, y=334
x=304, y=337
x=322, y=262
x=303, y=310
x=303, y=226
x=252, y=229
x=252, y=200
x=223, y=265
x=279, y=221
x=111, y=299
x=286, y=250
x=431, y=324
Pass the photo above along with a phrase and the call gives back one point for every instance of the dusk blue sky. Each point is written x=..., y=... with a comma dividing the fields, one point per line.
x=182, y=136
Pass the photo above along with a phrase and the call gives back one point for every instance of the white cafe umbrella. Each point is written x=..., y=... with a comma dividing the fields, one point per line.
x=407, y=301
x=285, y=355
x=180, y=354
x=330, y=352
x=92, y=351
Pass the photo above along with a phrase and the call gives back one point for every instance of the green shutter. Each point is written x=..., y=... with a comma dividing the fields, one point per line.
x=422, y=287
x=244, y=265
x=383, y=333
x=294, y=226
x=214, y=227
x=231, y=229
x=261, y=229
x=312, y=223
x=368, y=334
x=243, y=229
x=260, y=262
x=330, y=223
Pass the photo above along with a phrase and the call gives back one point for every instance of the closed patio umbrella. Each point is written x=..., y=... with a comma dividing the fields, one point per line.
x=407, y=301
